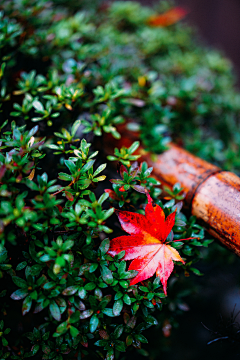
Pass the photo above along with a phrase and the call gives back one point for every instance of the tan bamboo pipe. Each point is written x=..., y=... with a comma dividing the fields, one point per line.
x=212, y=195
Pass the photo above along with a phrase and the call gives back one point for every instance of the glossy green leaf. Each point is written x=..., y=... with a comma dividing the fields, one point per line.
x=106, y=275
x=117, y=307
x=55, y=311
x=94, y=321
x=27, y=304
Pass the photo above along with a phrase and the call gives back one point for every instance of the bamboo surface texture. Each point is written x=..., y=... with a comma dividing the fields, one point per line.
x=212, y=195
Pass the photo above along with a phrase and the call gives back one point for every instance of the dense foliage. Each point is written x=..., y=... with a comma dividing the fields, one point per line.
x=68, y=74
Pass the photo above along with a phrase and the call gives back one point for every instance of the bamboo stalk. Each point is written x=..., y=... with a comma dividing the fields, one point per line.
x=212, y=195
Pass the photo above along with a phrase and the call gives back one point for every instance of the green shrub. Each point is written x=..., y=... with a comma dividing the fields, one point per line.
x=69, y=73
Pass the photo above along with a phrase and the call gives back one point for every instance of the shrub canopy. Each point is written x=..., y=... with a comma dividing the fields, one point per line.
x=69, y=73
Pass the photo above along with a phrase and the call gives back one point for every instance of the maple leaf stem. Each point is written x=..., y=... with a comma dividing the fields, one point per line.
x=185, y=239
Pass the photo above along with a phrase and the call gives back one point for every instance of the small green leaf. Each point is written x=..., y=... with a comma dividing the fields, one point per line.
x=124, y=284
x=106, y=275
x=21, y=266
x=4, y=341
x=117, y=307
x=65, y=177
x=74, y=317
x=82, y=293
x=151, y=320
x=19, y=294
x=196, y=271
x=110, y=355
x=87, y=166
x=55, y=311
x=75, y=127
x=71, y=166
x=122, y=267
x=35, y=349
x=38, y=106
x=104, y=246
x=27, y=303
x=93, y=267
x=133, y=147
x=129, y=340
x=108, y=312
x=103, y=197
x=120, y=346
x=127, y=299
x=62, y=328
x=118, y=331
x=100, y=343
x=90, y=286
x=99, y=169
x=19, y=282
x=144, y=289
x=35, y=269
x=70, y=290
x=73, y=331
x=141, y=338
x=94, y=321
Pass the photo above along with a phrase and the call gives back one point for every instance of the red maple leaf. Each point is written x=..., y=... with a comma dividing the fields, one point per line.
x=146, y=245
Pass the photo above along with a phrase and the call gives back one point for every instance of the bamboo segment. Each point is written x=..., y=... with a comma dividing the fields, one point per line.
x=177, y=165
x=212, y=195
x=217, y=204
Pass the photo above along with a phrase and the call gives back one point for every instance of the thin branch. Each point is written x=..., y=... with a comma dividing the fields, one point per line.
x=59, y=191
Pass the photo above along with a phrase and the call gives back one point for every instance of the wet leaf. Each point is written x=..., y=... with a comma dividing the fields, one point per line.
x=146, y=244
x=70, y=290
x=85, y=314
x=94, y=321
x=168, y=18
x=117, y=307
x=106, y=275
x=19, y=294
x=55, y=311
x=27, y=303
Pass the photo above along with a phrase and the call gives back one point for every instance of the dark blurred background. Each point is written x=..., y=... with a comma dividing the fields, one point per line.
x=218, y=22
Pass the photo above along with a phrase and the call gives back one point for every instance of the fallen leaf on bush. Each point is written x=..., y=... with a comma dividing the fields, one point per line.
x=168, y=18
x=146, y=244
